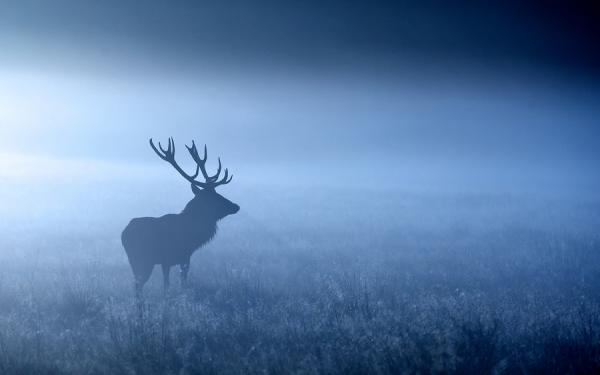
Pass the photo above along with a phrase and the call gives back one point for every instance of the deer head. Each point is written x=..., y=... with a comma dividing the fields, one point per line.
x=207, y=203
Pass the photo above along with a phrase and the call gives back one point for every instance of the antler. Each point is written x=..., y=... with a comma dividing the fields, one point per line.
x=211, y=182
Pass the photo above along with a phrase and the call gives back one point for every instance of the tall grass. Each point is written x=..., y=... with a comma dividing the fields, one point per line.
x=383, y=297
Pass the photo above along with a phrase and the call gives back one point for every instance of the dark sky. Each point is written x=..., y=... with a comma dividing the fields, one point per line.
x=430, y=91
x=550, y=34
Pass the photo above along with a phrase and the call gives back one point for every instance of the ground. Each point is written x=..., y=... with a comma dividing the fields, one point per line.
x=332, y=283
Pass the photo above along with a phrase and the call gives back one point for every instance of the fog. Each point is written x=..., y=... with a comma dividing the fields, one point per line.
x=475, y=134
x=318, y=95
x=418, y=186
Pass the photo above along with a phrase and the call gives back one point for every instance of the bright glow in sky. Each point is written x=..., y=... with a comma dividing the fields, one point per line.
x=402, y=96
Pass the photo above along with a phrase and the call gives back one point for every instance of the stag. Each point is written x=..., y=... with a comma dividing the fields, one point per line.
x=171, y=239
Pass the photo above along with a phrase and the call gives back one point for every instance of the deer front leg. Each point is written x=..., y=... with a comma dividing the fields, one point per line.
x=185, y=268
x=165, y=270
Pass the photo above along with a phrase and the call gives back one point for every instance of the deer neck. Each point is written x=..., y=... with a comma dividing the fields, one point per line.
x=198, y=220
x=199, y=230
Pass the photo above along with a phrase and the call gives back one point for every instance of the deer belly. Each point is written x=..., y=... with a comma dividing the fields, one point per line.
x=146, y=240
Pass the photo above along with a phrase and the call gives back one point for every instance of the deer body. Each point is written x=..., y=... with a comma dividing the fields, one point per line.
x=168, y=240
x=172, y=239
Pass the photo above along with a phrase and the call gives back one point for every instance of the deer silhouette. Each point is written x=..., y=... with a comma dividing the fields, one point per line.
x=172, y=239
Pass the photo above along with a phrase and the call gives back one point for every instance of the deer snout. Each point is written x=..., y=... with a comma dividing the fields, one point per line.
x=235, y=208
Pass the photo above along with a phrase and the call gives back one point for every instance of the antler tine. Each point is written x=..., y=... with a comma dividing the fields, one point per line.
x=200, y=162
x=191, y=148
x=168, y=154
x=216, y=176
x=196, y=173
x=203, y=166
x=224, y=180
x=194, y=153
x=161, y=155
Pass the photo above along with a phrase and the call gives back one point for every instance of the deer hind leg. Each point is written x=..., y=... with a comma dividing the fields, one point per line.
x=141, y=273
x=185, y=268
x=166, y=282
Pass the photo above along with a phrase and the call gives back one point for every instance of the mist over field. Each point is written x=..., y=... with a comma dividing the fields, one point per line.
x=417, y=180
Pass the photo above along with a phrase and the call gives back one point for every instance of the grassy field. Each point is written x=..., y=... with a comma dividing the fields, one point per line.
x=335, y=282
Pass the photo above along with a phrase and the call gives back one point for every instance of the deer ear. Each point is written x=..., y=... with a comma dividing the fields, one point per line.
x=195, y=189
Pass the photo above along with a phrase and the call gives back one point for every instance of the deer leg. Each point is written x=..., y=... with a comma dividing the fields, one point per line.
x=141, y=273
x=165, y=270
x=138, y=290
x=184, y=269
